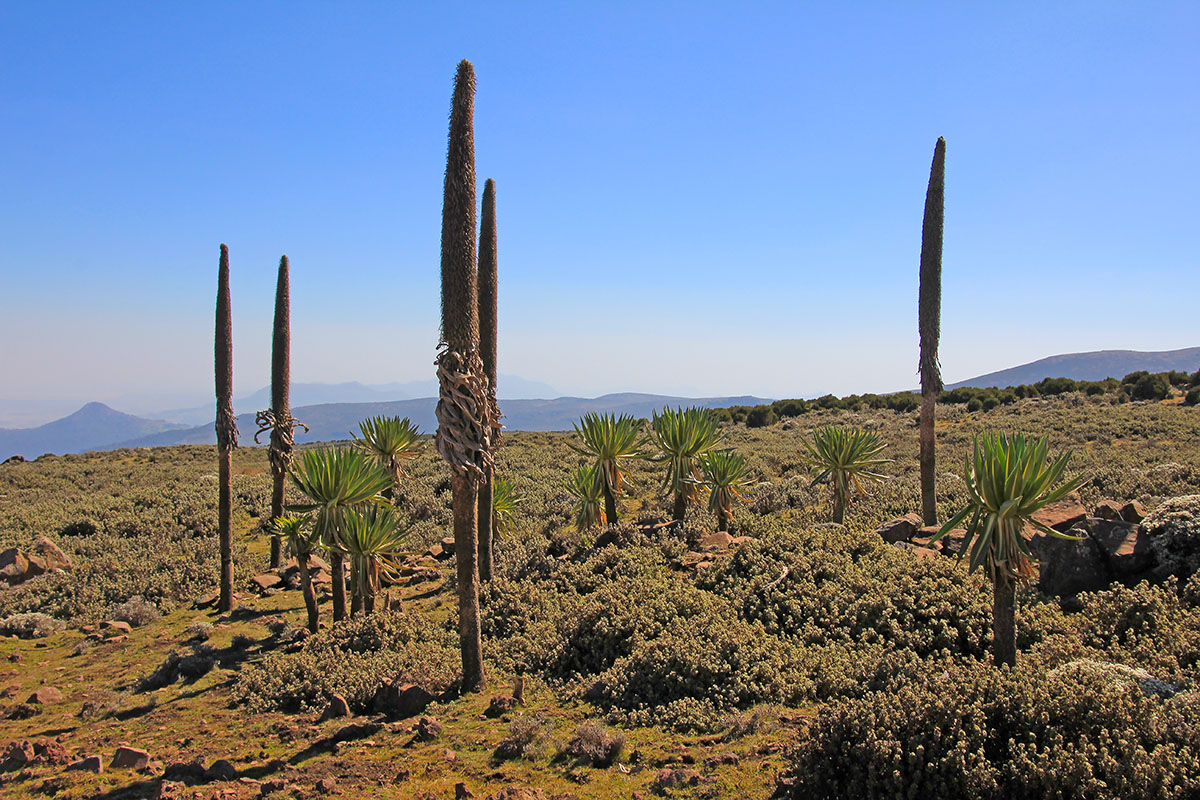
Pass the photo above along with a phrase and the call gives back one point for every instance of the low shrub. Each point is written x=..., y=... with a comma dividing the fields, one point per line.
x=199, y=631
x=353, y=659
x=596, y=744
x=528, y=737
x=136, y=611
x=188, y=666
x=975, y=731
x=32, y=625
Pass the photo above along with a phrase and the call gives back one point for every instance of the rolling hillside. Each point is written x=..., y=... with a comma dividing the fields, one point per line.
x=1094, y=366
x=90, y=428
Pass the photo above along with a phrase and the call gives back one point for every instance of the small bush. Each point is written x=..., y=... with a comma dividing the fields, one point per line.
x=32, y=625
x=1192, y=397
x=975, y=731
x=353, y=659
x=188, y=666
x=528, y=737
x=974, y=404
x=198, y=631
x=136, y=611
x=1151, y=387
x=596, y=745
x=762, y=719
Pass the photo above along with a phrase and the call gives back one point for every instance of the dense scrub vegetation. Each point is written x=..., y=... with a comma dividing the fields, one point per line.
x=802, y=614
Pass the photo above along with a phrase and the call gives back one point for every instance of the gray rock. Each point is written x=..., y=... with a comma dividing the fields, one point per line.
x=130, y=758
x=900, y=530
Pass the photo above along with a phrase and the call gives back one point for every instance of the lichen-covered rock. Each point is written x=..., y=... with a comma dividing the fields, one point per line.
x=1174, y=531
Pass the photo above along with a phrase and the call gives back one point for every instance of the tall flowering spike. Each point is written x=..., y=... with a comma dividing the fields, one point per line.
x=227, y=432
x=929, y=322
x=462, y=436
x=282, y=429
x=460, y=321
x=487, y=348
x=930, y=299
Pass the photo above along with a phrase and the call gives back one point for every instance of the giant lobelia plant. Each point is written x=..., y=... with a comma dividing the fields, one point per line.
x=845, y=457
x=1009, y=479
x=682, y=437
x=609, y=440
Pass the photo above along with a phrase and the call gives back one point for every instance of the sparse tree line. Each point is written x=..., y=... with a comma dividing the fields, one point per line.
x=1141, y=385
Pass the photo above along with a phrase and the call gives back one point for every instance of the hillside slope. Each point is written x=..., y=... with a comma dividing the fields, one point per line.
x=1094, y=366
x=90, y=428
x=335, y=421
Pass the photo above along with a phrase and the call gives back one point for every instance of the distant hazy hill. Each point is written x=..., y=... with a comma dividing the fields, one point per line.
x=1094, y=366
x=90, y=428
x=311, y=394
x=334, y=421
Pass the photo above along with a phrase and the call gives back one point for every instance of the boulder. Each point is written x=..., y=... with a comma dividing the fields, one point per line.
x=189, y=772
x=436, y=552
x=116, y=626
x=1174, y=533
x=428, y=728
x=51, y=556
x=337, y=708
x=206, y=600
x=267, y=581
x=221, y=770
x=717, y=541
x=1125, y=548
x=14, y=567
x=500, y=705
x=87, y=764
x=1063, y=514
x=1108, y=509
x=129, y=758
x=900, y=530
x=1069, y=566
x=45, y=696
x=400, y=700
x=17, y=755
x=1133, y=511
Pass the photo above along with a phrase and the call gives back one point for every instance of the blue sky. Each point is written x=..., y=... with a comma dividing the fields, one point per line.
x=693, y=198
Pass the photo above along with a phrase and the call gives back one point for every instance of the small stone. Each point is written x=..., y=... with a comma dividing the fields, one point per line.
x=402, y=776
x=461, y=792
x=428, y=729
x=500, y=705
x=326, y=786
x=718, y=540
x=449, y=755
x=169, y=790
x=88, y=764
x=129, y=758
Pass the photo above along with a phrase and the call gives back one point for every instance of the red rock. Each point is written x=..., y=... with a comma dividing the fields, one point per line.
x=400, y=700
x=1133, y=511
x=338, y=707
x=1064, y=514
x=88, y=764
x=45, y=696
x=1107, y=509
x=718, y=540
x=900, y=530
x=49, y=554
x=267, y=581
x=130, y=758
x=116, y=625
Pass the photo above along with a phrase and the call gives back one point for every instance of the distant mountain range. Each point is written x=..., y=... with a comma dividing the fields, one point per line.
x=311, y=394
x=90, y=428
x=1094, y=366
x=332, y=411
x=98, y=427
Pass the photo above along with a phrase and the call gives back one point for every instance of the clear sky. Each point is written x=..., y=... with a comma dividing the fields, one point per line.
x=693, y=198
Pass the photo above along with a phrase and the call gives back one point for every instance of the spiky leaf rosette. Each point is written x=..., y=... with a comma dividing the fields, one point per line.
x=1009, y=478
x=930, y=296
x=609, y=439
x=391, y=441
x=505, y=499
x=845, y=457
x=682, y=436
x=724, y=473
x=292, y=531
x=372, y=533
x=584, y=485
x=334, y=480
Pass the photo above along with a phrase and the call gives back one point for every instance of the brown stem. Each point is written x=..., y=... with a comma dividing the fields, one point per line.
x=337, y=567
x=306, y=588
x=225, y=526
x=927, y=459
x=466, y=551
x=485, y=526
x=680, y=510
x=1004, y=623
x=610, y=506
